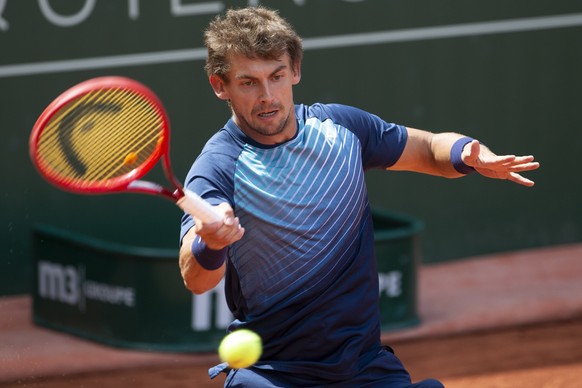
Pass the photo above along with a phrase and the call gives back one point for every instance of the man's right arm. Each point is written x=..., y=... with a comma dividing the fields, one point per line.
x=196, y=278
x=204, y=249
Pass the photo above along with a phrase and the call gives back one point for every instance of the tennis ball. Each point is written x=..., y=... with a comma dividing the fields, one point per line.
x=241, y=348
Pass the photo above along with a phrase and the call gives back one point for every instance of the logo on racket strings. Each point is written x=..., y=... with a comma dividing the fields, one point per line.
x=70, y=122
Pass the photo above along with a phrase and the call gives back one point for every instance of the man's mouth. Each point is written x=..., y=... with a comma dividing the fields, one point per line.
x=268, y=114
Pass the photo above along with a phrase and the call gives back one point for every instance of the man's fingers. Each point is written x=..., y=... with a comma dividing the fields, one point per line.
x=508, y=162
x=524, y=167
x=524, y=159
x=491, y=161
x=513, y=177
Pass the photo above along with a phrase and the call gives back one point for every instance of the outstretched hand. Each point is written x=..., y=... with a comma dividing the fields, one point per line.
x=494, y=166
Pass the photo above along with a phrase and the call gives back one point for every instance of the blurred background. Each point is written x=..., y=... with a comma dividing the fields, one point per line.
x=504, y=72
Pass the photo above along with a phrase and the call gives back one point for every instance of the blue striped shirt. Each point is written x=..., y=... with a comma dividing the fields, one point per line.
x=303, y=276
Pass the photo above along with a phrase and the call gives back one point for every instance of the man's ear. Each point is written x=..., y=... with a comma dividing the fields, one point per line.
x=296, y=73
x=218, y=84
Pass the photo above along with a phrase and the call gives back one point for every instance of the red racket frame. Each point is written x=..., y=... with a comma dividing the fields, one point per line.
x=130, y=181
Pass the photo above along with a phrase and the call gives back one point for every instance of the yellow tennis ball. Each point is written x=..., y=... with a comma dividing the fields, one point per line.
x=241, y=348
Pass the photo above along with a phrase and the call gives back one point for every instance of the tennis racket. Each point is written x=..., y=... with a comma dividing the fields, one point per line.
x=103, y=135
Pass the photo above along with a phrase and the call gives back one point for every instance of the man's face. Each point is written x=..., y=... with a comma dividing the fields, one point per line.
x=261, y=97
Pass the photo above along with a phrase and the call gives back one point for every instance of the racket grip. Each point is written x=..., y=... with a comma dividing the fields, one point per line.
x=194, y=205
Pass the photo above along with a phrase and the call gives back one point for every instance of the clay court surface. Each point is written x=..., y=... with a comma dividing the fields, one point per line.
x=505, y=321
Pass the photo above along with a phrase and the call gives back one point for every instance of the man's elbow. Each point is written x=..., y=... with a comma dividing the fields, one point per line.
x=205, y=281
x=196, y=287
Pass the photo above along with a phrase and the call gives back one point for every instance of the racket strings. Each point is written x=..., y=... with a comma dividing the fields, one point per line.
x=130, y=137
x=101, y=135
x=77, y=118
x=51, y=145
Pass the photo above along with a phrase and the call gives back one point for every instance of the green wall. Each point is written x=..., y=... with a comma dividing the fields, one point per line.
x=516, y=86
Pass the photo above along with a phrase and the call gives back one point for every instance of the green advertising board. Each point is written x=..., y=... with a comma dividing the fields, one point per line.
x=133, y=297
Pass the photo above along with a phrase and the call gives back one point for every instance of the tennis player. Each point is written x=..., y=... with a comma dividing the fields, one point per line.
x=296, y=244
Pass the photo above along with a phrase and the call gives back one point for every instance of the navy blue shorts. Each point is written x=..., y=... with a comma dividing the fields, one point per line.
x=384, y=371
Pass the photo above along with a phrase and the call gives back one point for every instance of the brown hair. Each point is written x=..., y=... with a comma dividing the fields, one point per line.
x=256, y=32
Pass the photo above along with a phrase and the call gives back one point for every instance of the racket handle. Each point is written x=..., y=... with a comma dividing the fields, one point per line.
x=194, y=205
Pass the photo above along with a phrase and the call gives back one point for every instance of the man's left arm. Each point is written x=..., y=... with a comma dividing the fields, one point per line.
x=453, y=155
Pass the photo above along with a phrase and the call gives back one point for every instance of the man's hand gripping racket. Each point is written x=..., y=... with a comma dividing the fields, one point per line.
x=102, y=136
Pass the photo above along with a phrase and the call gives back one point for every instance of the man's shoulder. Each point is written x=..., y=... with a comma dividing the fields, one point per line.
x=223, y=142
x=341, y=114
x=329, y=110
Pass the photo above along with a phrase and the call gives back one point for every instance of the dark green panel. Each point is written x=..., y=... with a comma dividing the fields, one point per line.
x=515, y=91
x=117, y=294
x=133, y=297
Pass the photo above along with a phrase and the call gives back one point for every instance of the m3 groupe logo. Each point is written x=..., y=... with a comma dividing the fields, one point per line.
x=68, y=284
